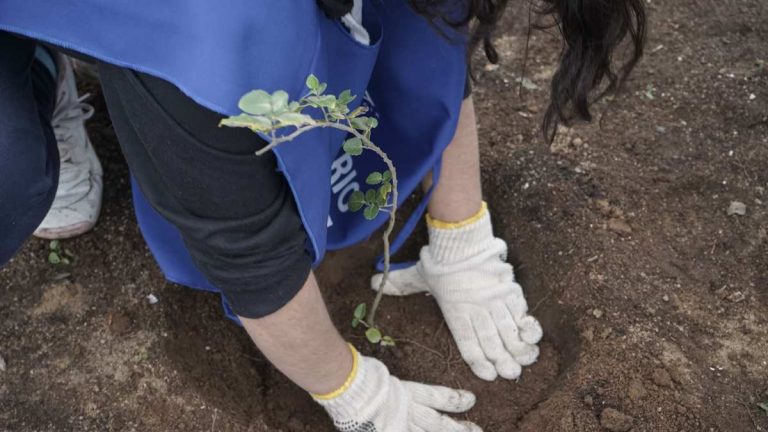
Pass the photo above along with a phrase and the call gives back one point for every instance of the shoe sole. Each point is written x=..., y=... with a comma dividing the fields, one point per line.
x=64, y=232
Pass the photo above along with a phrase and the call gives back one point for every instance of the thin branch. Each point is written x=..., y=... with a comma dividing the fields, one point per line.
x=424, y=347
x=368, y=145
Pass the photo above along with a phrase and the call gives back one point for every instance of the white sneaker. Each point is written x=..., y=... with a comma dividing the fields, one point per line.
x=78, y=197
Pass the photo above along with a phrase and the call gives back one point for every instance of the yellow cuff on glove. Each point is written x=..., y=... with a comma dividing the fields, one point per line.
x=347, y=383
x=435, y=223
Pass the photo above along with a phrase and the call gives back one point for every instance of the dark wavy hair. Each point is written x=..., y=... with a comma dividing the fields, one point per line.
x=592, y=31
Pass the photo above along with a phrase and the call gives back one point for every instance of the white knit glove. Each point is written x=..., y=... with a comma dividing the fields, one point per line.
x=372, y=400
x=465, y=269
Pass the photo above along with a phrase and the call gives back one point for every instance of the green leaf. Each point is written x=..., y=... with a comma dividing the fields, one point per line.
x=312, y=82
x=257, y=102
x=381, y=201
x=295, y=119
x=388, y=341
x=763, y=406
x=374, y=178
x=341, y=109
x=321, y=88
x=69, y=253
x=360, y=311
x=254, y=123
x=364, y=123
x=354, y=146
x=65, y=261
x=346, y=97
x=54, y=245
x=359, y=123
x=383, y=194
x=355, y=322
x=385, y=189
x=54, y=258
x=294, y=106
x=370, y=196
x=356, y=201
x=279, y=101
x=387, y=175
x=327, y=101
x=371, y=211
x=373, y=335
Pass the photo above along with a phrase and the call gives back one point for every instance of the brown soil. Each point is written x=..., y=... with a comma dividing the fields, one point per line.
x=653, y=299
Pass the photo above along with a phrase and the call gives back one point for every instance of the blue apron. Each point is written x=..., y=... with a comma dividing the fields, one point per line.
x=412, y=78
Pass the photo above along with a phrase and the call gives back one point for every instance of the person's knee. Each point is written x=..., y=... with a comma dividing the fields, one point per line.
x=22, y=209
x=29, y=165
x=27, y=189
x=259, y=262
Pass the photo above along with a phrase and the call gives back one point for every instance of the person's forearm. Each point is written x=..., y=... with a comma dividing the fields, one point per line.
x=458, y=194
x=301, y=341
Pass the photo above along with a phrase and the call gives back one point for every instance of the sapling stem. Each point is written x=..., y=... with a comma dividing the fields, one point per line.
x=387, y=233
x=269, y=113
x=368, y=145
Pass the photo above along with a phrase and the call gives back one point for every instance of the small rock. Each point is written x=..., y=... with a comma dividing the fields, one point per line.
x=490, y=67
x=636, y=391
x=578, y=142
x=609, y=210
x=615, y=421
x=603, y=206
x=661, y=378
x=589, y=401
x=118, y=322
x=597, y=313
x=527, y=83
x=152, y=299
x=562, y=142
x=736, y=297
x=3, y=366
x=737, y=208
x=665, y=298
x=619, y=226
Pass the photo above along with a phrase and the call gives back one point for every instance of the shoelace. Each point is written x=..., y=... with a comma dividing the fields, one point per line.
x=65, y=118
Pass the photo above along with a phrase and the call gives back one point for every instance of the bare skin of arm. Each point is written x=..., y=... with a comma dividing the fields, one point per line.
x=458, y=195
x=300, y=339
